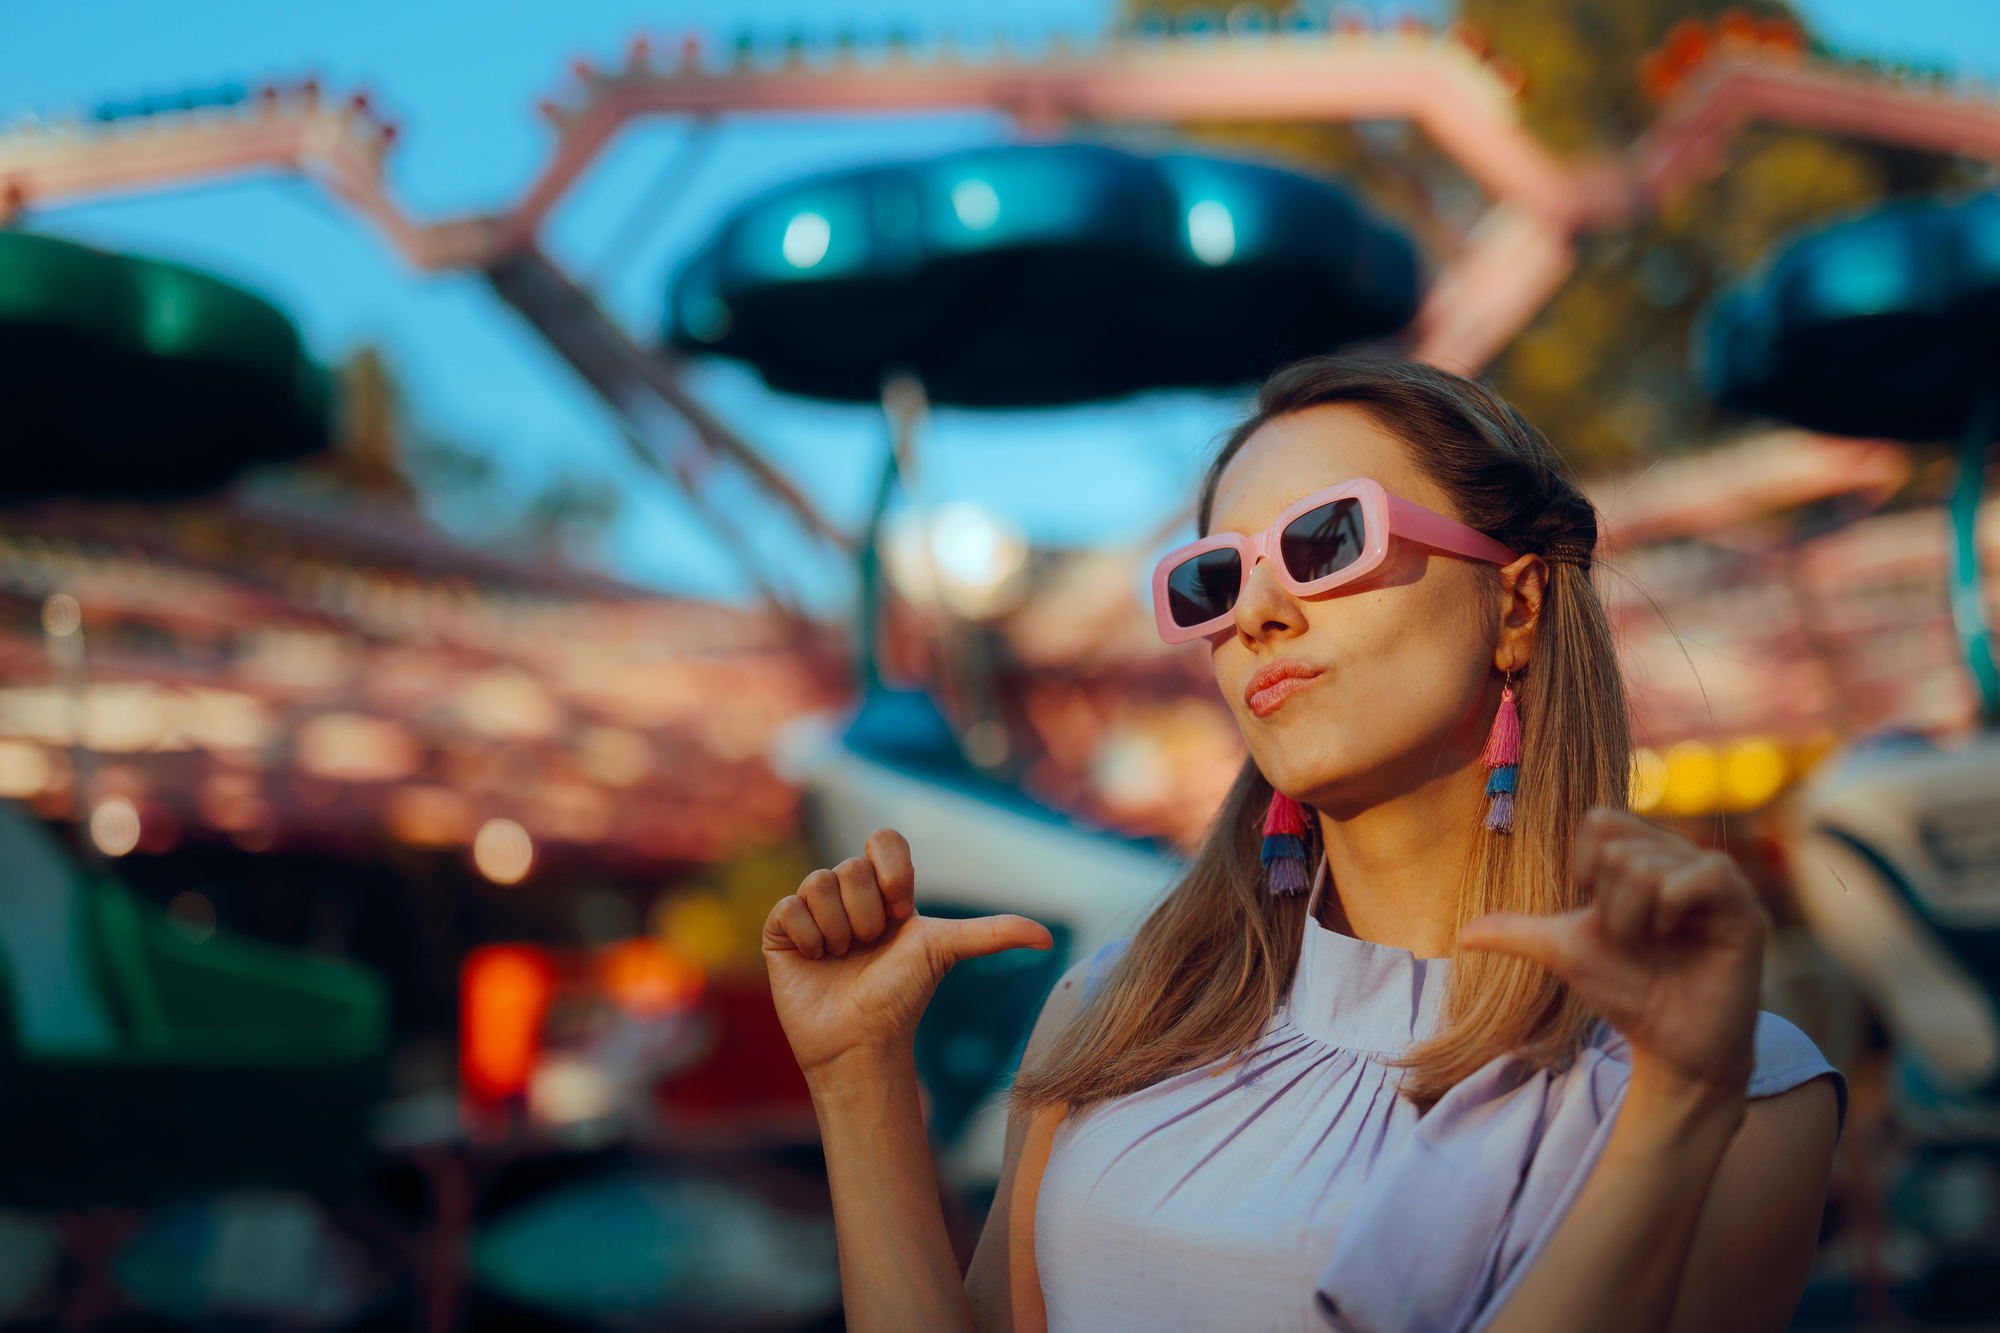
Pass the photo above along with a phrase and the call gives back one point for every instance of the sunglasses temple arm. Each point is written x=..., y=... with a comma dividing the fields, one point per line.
x=1433, y=529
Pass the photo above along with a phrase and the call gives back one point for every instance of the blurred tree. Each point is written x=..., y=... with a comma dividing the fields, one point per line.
x=368, y=453
x=382, y=460
x=1604, y=368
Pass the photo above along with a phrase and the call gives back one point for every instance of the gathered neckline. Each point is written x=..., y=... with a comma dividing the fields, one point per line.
x=1374, y=999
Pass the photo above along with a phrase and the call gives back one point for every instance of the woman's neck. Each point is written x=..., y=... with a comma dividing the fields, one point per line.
x=1395, y=871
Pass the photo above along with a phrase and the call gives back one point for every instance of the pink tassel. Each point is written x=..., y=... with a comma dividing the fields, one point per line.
x=1285, y=816
x=1500, y=815
x=1503, y=743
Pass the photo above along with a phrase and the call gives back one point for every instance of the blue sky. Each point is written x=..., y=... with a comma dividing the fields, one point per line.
x=463, y=79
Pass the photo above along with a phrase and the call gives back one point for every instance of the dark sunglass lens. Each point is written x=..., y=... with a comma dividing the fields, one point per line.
x=1205, y=586
x=1323, y=541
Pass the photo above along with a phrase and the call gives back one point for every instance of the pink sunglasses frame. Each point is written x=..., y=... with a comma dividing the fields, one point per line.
x=1382, y=516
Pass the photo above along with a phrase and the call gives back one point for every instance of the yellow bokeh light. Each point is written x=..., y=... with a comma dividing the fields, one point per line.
x=1694, y=779
x=700, y=926
x=1649, y=779
x=1753, y=771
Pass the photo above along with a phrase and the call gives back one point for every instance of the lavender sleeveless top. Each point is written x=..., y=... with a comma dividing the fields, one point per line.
x=1296, y=1191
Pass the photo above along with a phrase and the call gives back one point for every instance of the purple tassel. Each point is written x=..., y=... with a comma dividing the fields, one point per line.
x=1500, y=816
x=1287, y=875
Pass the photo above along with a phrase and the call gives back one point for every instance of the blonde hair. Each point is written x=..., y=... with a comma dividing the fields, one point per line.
x=1215, y=959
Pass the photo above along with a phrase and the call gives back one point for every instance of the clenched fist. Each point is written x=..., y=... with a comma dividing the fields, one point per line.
x=852, y=963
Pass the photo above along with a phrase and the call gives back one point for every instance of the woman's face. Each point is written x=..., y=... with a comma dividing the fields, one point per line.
x=1385, y=684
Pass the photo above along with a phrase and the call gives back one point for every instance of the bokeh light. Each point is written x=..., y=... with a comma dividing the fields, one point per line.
x=503, y=851
x=115, y=826
x=192, y=915
x=1649, y=779
x=25, y=769
x=1694, y=779
x=699, y=926
x=649, y=977
x=1211, y=232
x=1753, y=771
x=569, y=1090
x=61, y=616
x=976, y=203
x=806, y=239
x=504, y=993
x=356, y=747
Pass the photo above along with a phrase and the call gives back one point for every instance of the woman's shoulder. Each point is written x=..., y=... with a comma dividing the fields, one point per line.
x=1784, y=1057
x=1065, y=1001
x=1097, y=968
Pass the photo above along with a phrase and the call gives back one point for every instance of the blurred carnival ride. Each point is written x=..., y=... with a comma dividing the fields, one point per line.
x=323, y=725
x=1889, y=325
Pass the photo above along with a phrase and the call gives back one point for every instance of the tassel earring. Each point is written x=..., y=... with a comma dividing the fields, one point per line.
x=1284, y=854
x=1502, y=757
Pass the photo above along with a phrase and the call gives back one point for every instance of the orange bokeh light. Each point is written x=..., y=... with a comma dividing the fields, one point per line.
x=648, y=977
x=503, y=996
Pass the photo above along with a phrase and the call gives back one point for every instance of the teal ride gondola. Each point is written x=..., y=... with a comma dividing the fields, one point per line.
x=127, y=376
x=1031, y=276
x=1885, y=325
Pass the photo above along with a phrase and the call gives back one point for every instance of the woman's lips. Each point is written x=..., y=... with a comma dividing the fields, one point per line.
x=1275, y=683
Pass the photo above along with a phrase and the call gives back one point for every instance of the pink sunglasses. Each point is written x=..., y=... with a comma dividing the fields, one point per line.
x=1331, y=537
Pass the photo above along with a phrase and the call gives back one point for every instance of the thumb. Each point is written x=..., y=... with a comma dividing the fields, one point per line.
x=1548, y=940
x=958, y=940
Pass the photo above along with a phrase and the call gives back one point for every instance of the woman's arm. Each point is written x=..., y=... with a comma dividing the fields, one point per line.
x=852, y=967
x=1686, y=1226
x=897, y=1270
x=1670, y=954
x=1759, y=1227
x=1002, y=1284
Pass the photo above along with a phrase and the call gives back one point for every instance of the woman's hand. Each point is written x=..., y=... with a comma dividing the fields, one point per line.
x=852, y=964
x=1669, y=952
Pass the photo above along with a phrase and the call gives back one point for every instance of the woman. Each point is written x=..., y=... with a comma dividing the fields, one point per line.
x=1282, y=1110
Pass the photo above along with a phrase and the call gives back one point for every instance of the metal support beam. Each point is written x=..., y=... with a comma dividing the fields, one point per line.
x=628, y=376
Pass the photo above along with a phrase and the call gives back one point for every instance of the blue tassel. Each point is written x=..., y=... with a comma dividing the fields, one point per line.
x=1501, y=779
x=1283, y=847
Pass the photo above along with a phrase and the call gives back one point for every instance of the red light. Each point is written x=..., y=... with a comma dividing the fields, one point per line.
x=648, y=978
x=503, y=995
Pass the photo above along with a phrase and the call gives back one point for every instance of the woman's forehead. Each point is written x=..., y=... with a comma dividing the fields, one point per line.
x=1295, y=455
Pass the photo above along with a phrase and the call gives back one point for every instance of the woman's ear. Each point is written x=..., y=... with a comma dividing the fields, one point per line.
x=1522, y=587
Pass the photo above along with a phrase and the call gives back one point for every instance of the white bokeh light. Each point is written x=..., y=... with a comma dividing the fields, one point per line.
x=978, y=559
x=976, y=204
x=114, y=826
x=503, y=851
x=1211, y=232
x=807, y=236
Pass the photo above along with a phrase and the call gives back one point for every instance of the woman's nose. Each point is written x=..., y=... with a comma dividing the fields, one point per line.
x=1265, y=610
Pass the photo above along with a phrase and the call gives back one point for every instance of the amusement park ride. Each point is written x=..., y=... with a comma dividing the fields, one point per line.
x=1509, y=265
x=1504, y=270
